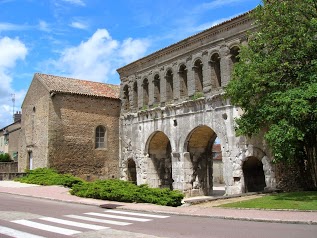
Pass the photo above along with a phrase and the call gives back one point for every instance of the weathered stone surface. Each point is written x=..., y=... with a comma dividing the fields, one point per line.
x=174, y=111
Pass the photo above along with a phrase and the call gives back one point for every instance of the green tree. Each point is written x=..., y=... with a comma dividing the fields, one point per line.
x=275, y=81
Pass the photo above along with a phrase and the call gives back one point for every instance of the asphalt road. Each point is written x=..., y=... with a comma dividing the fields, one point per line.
x=25, y=217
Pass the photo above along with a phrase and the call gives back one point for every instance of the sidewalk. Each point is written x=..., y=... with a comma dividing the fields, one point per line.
x=61, y=194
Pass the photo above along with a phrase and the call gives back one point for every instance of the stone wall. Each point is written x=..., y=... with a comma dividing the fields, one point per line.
x=8, y=167
x=71, y=132
x=11, y=176
x=34, y=130
x=14, y=137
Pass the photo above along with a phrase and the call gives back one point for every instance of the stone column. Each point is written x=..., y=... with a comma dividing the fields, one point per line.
x=162, y=88
x=206, y=73
x=225, y=64
x=176, y=84
x=151, y=90
x=187, y=174
x=141, y=96
x=177, y=171
x=190, y=79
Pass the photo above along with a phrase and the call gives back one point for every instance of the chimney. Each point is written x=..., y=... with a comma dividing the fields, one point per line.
x=17, y=116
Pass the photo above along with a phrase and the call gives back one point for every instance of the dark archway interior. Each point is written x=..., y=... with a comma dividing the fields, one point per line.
x=160, y=154
x=253, y=175
x=132, y=171
x=200, y=146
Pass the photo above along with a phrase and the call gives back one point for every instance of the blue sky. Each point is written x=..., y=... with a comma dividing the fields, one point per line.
x=90, y=39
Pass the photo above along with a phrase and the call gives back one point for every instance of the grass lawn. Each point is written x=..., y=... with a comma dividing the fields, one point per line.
x=293, y=200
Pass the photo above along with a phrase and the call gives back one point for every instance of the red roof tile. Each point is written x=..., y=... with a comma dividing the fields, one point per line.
x=59, y=84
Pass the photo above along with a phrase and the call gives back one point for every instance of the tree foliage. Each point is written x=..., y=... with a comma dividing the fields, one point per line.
x=275, y=80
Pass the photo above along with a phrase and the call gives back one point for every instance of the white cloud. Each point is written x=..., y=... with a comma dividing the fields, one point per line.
x=44, y=26
x=5, y=26
x=76, y=2
x=132, y=49
x=97, y=58
x=79, y=25
x=11, y=50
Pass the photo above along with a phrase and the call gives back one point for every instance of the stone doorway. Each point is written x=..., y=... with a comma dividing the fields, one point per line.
x=200, y=147
x=254, y=178
x=160, y=161
x=132, y=171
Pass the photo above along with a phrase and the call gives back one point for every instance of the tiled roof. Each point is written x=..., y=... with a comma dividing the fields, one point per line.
x=59, y=84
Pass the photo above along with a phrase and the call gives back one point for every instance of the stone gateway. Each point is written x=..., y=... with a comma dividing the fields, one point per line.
x=174, y=116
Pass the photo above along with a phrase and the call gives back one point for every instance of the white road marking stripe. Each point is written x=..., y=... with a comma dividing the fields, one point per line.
x=73, y=223
x=119, y=223
x=136, y=214
x=118, y=217
x=44, y=227
x=16, y=234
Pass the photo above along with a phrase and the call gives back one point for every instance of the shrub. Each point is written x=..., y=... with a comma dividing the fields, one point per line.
x=197, y=95
x=46, y=176
x=112, y=189
x=123, y=191
x=5, y=157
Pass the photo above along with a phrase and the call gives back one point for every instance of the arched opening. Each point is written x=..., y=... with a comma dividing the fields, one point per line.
x=215, y=70
x=135, y=95
x=126, y=100
x=183, y=81
x=169, y=86
x=30, y=160
x=100, y=137
x=145, y=92
x=157, y=89
x=202, y=152
x=198, y=74
x=234, y=52
x=253, y=173
x=132, y=171
x=160, y=164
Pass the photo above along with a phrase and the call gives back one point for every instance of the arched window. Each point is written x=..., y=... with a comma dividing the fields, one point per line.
x=145, y=92
x=135, y=95
x=234, y=52
x=126, y=98
x=183, y=81
x=215, y=70
x=198, y=72
x=169, y=86
x=157, y=89
x=100, y=138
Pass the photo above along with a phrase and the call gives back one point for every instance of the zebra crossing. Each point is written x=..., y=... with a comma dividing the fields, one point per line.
x=72, y=224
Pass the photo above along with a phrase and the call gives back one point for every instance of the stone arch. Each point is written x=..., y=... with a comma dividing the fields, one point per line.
x=157, y=88
x=126, y=97
x=199, y=144
x=198, y=75
x=253, y=173
x=215, y=70
x=269, y=176
x=183, y=86
x=145, y=86
x=159, y=172
x=169, y=85
x=234, y=52
x=131, y=171
x=135, y=94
